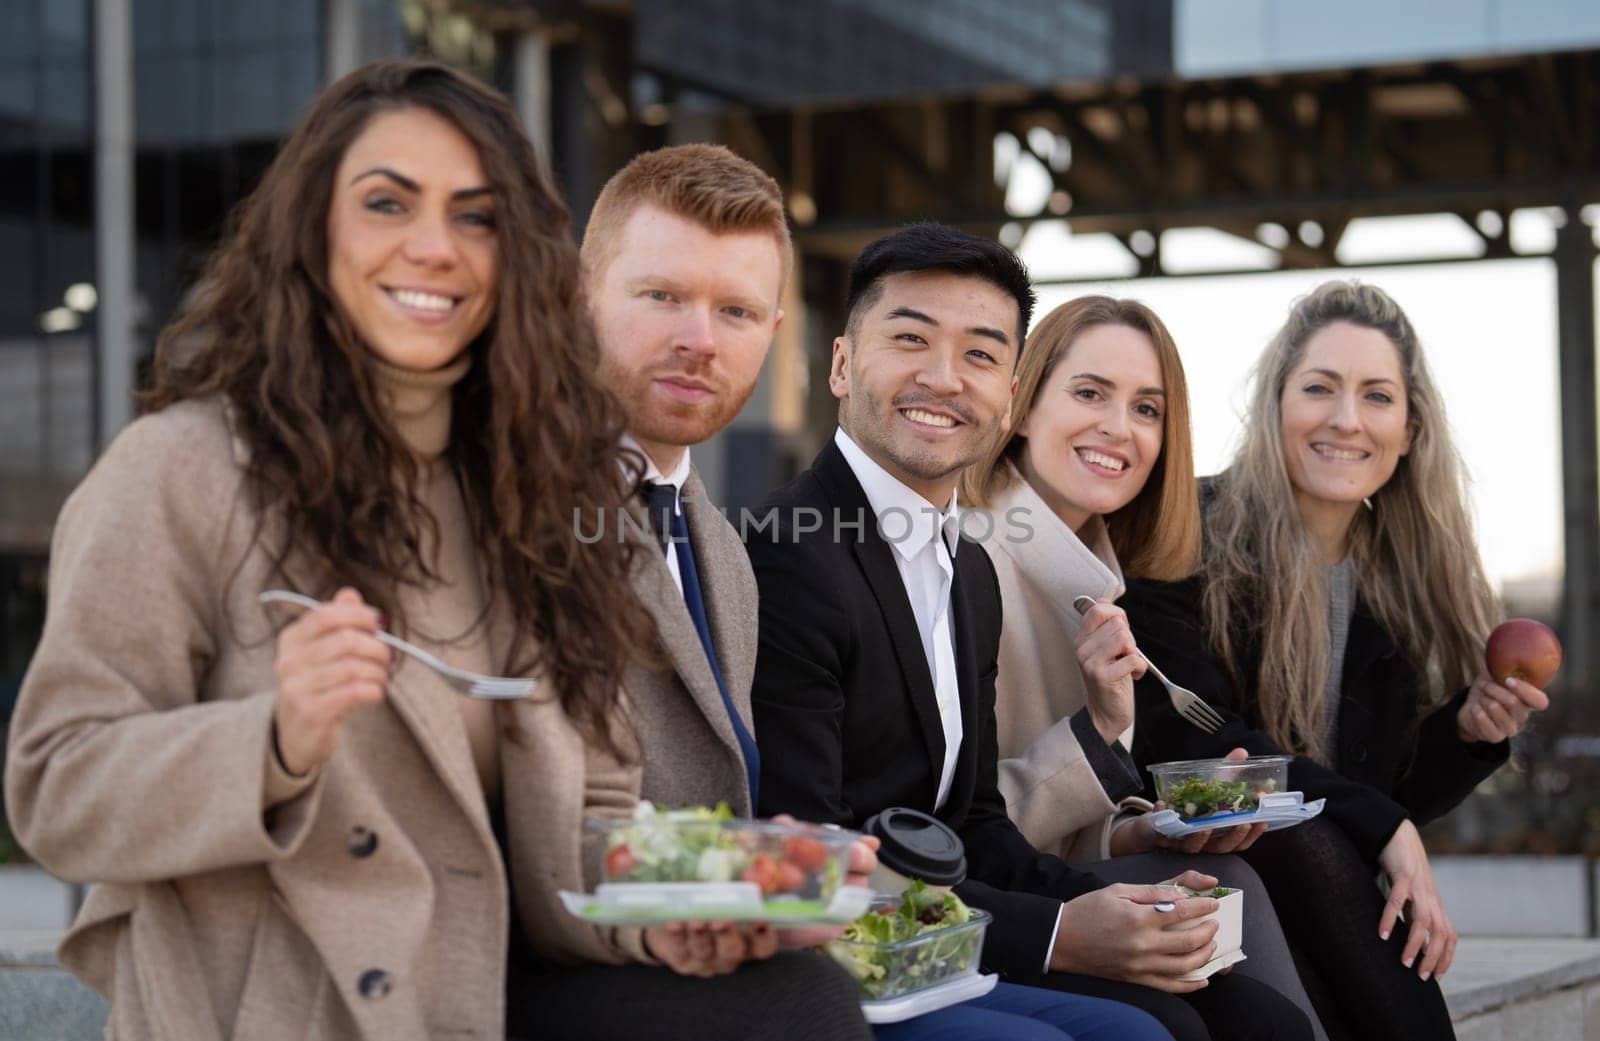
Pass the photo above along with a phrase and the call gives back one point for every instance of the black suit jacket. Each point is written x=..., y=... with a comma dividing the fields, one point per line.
x=1390, y=762
x=844, y=704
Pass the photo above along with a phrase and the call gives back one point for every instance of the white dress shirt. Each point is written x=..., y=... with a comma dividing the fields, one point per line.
x=924, y=539
x=679, y=474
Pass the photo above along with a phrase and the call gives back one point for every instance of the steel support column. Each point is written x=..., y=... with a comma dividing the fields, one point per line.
x=341, y=47
x=532, y=79
x=113, y=218
x=570, y=158
x=1580, y=605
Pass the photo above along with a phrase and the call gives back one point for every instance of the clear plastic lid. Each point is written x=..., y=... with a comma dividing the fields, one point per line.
x=789, y=862
x=1197, y=788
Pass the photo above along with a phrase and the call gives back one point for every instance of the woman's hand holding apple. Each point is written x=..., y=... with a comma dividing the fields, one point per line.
x=1495, y=712
x=1522, y=656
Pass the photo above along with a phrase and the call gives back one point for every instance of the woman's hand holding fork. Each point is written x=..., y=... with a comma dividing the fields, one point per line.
x=328, y=664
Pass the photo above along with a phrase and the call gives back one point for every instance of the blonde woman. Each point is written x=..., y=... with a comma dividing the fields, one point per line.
x=1095, y=479
x=1339, y=614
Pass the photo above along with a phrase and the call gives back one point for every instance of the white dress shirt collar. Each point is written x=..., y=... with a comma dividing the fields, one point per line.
x=906, y=520
x=652, y=472
x=679, y=474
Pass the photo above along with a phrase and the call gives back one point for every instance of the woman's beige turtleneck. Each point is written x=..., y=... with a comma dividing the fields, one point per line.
x=446, y=614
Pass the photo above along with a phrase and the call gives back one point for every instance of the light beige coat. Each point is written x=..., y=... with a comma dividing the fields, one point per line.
x=1051, y=792
x=371, y=903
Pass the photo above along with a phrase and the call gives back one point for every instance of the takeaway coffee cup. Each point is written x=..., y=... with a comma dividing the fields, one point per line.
x=914, y=845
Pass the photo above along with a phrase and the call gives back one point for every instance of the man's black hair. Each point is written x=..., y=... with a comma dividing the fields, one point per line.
x=936, y=247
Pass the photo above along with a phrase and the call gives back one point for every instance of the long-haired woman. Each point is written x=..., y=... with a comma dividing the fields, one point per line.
x=383, y=396
x=1339, y=614
x=1096, y=481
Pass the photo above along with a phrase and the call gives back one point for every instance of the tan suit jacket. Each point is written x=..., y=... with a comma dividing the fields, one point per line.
x=690, y=754
x=1051, y=791
x=373, y=903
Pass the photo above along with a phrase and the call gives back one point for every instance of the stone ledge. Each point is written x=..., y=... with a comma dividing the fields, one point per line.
x=1493, y=973
x=41, y=1002
x=29, y=949
x=1571, y=1014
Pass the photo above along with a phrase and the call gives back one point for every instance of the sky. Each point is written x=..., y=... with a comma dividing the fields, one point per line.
x=1488, y=329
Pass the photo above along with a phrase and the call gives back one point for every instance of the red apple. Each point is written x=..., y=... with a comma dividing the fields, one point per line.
x=1523, y=648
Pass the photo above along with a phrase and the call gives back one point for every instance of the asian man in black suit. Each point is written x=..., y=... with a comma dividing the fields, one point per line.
x=880, y=628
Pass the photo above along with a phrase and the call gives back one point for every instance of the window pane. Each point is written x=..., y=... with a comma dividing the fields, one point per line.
x=65, y=101
x=19, y=310
x=19, y=30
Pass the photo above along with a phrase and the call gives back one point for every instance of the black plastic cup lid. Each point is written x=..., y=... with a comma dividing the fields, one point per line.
x=918, y=846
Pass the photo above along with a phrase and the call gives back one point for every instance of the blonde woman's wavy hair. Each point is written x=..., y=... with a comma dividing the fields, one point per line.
x=1157, y=535
x=1416, y=561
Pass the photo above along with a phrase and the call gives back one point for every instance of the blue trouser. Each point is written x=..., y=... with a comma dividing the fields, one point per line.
x=1015, y=1013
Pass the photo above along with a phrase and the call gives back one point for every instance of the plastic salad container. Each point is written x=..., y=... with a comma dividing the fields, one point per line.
x=1199, y=788
x=1229, y=917
x=923, y=938
x=701, y=858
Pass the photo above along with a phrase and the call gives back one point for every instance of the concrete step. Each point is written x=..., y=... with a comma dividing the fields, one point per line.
x=1554, y=895
x=1507, y=989
x=39, y=1001
x=32, y=901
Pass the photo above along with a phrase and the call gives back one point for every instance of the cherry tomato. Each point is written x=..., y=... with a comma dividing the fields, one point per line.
x=763, y=871
x=791, y=877
x=809, y=853
x=620, y=861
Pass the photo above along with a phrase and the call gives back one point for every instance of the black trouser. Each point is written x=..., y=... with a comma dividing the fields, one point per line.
x=794, y=996
x=1329, y=907
x=1229, y=1008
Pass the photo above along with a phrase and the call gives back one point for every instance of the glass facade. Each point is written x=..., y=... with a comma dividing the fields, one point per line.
x=846, y=51
x=46, y=312
x=1248, y=37
x=216, y=83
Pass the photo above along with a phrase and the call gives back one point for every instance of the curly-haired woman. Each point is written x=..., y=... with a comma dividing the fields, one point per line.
x=382, y=395
x=1339, y=614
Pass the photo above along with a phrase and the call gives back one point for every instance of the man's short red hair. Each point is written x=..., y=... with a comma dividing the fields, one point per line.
x=707, y=184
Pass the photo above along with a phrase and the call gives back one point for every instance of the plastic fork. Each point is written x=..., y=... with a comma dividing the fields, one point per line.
x=472, y=684
x=1187, y=702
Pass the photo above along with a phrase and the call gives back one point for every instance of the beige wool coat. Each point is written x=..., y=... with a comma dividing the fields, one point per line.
x=1051, y=792
x=231, y=901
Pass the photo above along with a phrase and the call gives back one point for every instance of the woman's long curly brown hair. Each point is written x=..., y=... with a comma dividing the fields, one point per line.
x=534, y=434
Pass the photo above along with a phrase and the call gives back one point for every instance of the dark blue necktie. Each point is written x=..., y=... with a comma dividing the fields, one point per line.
x=661, y=502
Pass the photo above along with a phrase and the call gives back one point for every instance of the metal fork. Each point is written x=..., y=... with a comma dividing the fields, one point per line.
x=1187, y=702
x=472, y=684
